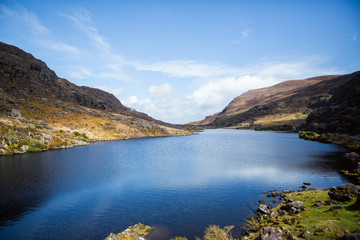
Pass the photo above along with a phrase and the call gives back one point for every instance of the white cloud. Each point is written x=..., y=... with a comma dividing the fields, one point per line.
x=355, y=37
x=164, y=90
x=187, y=68
x=221, y=83
x=245, y=33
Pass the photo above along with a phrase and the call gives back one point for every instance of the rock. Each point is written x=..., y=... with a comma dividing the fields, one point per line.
x=273, y=194
x=304, y=234
x=307, y=184
x=274, y=214
x=271, y=233
x=351, y=236
x=24, y=148
x=15, y=113
x=352, y=156
x=343, y=192
x=262, y=201
x=47, y=136
x=318, y=204
x=294, y=207
x=322, y=230
x=263, y=209
x=290, y=221
x=334, y=208
x=2, y=151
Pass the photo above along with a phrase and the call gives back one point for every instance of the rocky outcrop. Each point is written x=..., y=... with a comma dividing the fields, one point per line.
x=137, y=232
x=344, y=192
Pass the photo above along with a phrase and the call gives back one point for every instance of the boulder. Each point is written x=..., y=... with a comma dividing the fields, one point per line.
x=263, y=209
x=271, y=233
x=294, y=207
x=15, y=113
x=351, y=236
x=352, y=156
x=344, y=192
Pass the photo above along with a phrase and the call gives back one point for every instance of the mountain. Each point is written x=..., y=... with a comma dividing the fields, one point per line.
x=285, y=104
x=341, y=114
x=38, y=106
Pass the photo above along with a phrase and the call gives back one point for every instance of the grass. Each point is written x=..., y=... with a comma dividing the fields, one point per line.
x=323, y=222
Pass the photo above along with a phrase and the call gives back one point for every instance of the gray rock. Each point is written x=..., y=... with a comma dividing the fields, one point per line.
x=271, y=233
x=304, y=234
x=294, y=207
x=352, y=156
x=263, y=209
x=351, y=236
x=15, y=113
x=274, y=214
x=334, y=208
x=344, y=192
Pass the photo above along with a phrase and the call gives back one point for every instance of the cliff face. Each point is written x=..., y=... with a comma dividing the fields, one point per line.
x=289, y=102
x=40, y=111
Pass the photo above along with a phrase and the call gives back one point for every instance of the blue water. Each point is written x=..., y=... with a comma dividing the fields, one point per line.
x=180, y=185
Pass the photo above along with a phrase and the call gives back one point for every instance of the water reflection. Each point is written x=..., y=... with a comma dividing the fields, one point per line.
x=180, y=183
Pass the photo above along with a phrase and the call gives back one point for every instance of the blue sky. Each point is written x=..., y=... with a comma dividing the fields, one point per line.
x=180, y=61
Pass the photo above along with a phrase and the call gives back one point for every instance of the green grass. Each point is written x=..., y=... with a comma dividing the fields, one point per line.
x=315, y=219
x=142, y=229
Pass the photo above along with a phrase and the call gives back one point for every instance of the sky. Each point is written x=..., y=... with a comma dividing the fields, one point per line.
x=180, y=61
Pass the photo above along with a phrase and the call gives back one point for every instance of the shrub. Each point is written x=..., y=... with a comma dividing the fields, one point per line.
x=76, y=133
x=35, y=145
x=10, y=137
x=39, y=127
x=62, y=131
x=214, y=232
x=84, y=135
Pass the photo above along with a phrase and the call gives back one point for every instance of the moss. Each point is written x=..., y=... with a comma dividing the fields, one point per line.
x=142, y=229
x=320, y=221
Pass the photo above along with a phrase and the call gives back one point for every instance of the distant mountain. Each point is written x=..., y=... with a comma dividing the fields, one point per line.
x=287, y=103
x=33, y=97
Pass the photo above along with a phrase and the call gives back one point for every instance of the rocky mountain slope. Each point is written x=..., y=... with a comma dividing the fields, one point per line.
x=341, y=114
x=39, y=110
x=287, y=103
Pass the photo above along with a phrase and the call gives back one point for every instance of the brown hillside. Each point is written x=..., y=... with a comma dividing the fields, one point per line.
x=287, y=103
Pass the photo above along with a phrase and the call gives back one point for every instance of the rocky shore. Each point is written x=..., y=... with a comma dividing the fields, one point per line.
x=309, y=214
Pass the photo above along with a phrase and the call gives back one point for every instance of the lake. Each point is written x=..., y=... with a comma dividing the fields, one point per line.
x=180, y=185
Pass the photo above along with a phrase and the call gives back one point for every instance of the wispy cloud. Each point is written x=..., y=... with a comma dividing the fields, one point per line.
x=79, y=73
x=355, y=37
x=245, y=33
x=82, y=18
x=187, y=68
x=221, y=83
x=35, y=30
x=111, y=66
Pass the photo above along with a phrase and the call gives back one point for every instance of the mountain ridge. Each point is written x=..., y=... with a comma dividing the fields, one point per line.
x=288, y=102
x=35, y=102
